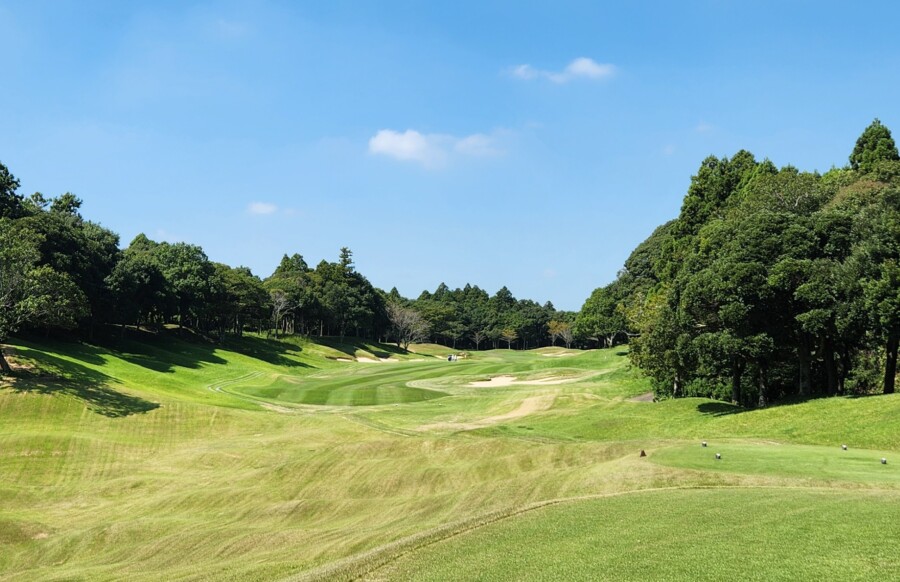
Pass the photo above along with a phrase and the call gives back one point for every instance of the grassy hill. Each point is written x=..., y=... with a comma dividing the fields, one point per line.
x=160, y=458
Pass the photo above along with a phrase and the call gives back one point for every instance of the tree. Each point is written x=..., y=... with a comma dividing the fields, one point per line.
x=602, y=317
x=554, y=330
x=11, y=204
x=408, y=325
x=281, y=304
x=561, y=330
x=188, y=272
x=509, y=335
x=874, y=145
x=138, y=287
x=478, y=337
x=31, y=293
x=567, y=334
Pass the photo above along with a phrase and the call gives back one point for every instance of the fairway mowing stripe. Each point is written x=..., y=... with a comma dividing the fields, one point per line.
x=369, y=423
x=366, y=563
x=220, y=385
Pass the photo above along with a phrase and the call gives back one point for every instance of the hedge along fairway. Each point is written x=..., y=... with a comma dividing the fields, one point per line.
x=264, y=460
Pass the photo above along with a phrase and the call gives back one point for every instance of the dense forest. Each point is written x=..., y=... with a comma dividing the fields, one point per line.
x=771, y=283
x=59, y=271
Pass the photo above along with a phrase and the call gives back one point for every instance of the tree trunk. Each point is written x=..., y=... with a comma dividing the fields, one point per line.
x=844, y=372
x=804, y=355
x=737, y=369
x=831, y=379
x=4, y=365
x=676, y=386
x=763, y=384
x=890, y=365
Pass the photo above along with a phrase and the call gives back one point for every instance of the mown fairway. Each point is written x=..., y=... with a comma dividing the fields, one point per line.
x=267, y=461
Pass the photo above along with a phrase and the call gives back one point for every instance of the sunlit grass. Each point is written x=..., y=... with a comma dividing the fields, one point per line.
x=263, y=460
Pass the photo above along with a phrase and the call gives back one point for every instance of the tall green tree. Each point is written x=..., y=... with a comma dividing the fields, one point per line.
x=29, y=292
x=874, y=145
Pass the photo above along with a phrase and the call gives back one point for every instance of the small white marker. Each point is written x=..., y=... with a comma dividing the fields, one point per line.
x=704, y=443
x=883, y=461
x=844, y=447
x=718, y=456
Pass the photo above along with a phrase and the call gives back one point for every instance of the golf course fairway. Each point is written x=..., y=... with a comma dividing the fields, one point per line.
x=168, y=459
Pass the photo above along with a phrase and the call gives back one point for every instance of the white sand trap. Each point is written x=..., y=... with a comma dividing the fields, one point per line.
x=528, y=406
x=560, y=355
x=501, y=381
x=366, y=360
x=344, y=360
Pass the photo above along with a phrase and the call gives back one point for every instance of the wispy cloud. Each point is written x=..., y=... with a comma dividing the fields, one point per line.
x=580, y=68
x=261, y=208
x=432, y=150
x=704, y=127
x=230, y=29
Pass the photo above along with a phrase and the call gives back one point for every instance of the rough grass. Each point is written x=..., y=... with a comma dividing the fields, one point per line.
x=161, y=458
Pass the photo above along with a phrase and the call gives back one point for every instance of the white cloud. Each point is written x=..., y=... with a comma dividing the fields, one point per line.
x=580, y=68
x=432, y=150
x=478, y=144
x=704, y=127
x=526, y=72
x=668, y=150
x=408, y=146
x=261, y=208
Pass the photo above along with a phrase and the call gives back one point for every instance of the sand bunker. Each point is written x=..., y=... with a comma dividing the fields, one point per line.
x=367, y=360
x=560, y=354
x=528, y=406
x=500, y=381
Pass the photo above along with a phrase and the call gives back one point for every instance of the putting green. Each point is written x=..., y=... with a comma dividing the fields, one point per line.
x=337, y=391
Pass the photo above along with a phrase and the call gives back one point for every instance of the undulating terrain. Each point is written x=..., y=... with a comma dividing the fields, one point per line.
x=164, y=458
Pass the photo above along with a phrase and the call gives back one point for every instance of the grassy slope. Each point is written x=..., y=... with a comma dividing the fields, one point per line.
x=158, y=460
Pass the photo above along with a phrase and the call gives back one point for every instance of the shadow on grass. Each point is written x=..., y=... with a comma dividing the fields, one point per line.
x=61, y=376
x=268, y=350
x=725, y=408
x=719, y=408
x=350, y=346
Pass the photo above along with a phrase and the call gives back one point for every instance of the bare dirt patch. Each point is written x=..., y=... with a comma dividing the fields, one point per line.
x=648, y=397
x=528, y=406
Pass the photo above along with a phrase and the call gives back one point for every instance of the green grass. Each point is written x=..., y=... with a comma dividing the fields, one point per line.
x=676, y=535
x=158, y=458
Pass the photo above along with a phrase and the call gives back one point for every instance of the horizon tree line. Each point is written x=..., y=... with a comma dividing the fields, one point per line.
x=771, y=283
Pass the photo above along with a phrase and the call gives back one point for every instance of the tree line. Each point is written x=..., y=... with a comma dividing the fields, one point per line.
x=771, y=283
x=60, y=271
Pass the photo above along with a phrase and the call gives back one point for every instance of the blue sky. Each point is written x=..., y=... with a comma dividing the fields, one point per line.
x=531, y=145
